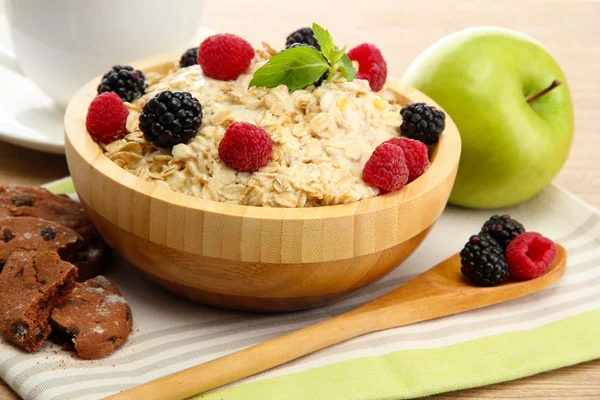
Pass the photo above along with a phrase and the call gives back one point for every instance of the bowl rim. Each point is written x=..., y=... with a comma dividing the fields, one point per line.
x=445, y=161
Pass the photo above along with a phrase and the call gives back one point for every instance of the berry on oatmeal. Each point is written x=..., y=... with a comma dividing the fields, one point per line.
x=386, y=168
x=245, y=147
x=107, y=118
x=483, y=261
x=225, y=56
x=415, y=154
x=302, y=36
x=503, y=228
x=189, y=58
x=171, y=118
x=422, y=122
x=529, y=255
x=127, y=83
x=371, y=65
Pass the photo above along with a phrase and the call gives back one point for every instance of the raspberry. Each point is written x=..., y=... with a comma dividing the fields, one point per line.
x=123, y=80
x=245, y=147
x=483, y=261
x=371, y=65
x=225, y=56
x=422, y=122
x=171, y=118
x=106, y=118
x=415, y=154
x=503, y=228
x=303, y=36
x=189, y=58
x=386, y=168
x=529, y=255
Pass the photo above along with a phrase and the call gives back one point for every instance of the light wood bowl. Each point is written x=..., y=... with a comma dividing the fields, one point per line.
x=254, y=258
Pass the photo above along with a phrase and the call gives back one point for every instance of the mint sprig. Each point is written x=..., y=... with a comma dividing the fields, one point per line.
x=301, y=66
x=292, y=68
x=346, y=68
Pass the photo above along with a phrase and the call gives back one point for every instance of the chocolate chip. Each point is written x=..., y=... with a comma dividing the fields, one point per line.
x=7, y=235
x=80, y=257
x=19, y=329
x=48, y=233
x=39, y=336
x=20, y=273
x=23, y=200
x=112, y=339
x=128, y=315
x=73, y=331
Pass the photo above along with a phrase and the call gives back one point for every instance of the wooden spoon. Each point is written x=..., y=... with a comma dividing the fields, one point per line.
x=435, y=293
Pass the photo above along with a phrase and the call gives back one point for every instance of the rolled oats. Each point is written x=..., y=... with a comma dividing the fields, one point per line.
x=222, y=115
x=286, y=199
x=209, y=193
x=322, y=136
x=280, y=184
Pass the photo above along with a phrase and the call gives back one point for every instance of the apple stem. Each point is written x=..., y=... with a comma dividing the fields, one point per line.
x=534, y=97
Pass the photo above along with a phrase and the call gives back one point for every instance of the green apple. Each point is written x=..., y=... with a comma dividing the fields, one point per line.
x=516, y=125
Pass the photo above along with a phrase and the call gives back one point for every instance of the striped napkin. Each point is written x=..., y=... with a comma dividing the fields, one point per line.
x=553, y=328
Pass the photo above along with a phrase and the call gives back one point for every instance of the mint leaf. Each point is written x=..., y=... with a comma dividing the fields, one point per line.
x=295, y=68
x=302, y=66
x=336, y=55
x=346, y=68
x=325, y=40
x=338, y=60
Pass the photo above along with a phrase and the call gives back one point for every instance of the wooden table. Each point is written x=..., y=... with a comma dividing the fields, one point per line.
x=570, y=30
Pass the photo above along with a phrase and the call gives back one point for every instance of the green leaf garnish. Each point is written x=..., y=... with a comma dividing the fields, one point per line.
x=336, y=55
x=295, y=68
x=346, y=68
x=325, y=40
x=302, y=66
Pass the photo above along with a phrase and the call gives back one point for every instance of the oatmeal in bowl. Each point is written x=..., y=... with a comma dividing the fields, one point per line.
x=321, y=135
x=267, y=180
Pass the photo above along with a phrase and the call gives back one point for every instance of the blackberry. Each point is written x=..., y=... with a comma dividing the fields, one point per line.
x=483, y=261
x=422, y=122
x=503, y=228
x=304, y=36
x=170, y=118
x=190, y=57
x=127, y=83
x=325, y=75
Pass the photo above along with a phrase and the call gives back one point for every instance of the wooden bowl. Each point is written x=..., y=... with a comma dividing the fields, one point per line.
x=254, y=258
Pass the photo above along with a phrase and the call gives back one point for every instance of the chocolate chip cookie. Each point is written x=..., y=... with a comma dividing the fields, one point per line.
x=29, y=201
x=95, y=319
x=32, y=201
x=31, y=285
x=29, y=233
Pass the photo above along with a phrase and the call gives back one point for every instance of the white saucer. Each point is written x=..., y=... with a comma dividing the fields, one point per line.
x=28, y=117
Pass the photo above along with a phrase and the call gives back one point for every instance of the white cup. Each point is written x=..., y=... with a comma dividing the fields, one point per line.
x=61, y=44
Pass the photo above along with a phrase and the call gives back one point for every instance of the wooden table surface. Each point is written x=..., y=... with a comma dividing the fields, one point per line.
x=569, y=29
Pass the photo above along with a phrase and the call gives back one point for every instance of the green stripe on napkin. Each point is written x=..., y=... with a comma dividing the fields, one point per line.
x=63, y=186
